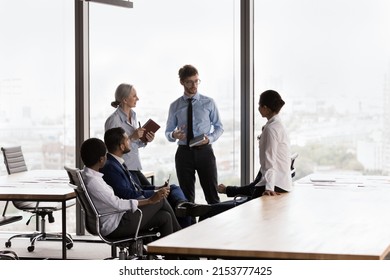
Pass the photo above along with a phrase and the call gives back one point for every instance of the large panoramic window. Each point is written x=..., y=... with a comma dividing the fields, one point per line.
x=330, y=61
x=37, y=83
x=145, y=46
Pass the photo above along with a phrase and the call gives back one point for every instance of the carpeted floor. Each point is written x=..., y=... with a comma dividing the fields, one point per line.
x=84, y=248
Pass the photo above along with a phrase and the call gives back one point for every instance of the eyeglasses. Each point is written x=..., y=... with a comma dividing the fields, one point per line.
x=190, y=83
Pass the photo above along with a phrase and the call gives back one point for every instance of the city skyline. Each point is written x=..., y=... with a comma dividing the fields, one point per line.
x=334, y=68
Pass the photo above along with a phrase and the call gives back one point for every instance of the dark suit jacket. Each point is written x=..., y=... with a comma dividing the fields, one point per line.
x=118, y=178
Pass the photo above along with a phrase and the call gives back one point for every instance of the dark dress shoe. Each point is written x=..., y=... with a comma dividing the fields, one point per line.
x=187, y=208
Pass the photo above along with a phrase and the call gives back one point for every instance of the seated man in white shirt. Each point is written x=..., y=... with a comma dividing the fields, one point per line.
x=156, y=211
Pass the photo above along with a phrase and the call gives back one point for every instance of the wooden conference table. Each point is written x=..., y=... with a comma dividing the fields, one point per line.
x=39, y=185
x=344, y=218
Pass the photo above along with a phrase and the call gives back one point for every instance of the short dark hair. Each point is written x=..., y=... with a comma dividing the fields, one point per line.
x=272, y=100
x=113, y=138
x=187, y=71
x=92, y=150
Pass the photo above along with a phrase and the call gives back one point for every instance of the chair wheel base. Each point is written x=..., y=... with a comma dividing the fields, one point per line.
x=8, y=255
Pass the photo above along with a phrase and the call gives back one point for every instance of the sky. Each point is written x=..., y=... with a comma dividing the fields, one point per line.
x=315, y=47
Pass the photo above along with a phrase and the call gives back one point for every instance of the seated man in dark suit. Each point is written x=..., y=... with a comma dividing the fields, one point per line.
x=127, y=186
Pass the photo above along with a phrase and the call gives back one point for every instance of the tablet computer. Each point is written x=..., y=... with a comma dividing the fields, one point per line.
x=196, y=140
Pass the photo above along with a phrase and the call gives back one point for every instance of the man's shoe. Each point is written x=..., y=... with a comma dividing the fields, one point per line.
x=187, y=208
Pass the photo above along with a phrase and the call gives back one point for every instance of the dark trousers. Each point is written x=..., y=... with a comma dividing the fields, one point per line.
x=251, y=191
x=218, y=208
x=201, y=160
x=159, y=215
x=175, y=196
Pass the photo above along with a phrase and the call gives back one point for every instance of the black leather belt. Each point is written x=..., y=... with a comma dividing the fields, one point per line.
x=185, y=147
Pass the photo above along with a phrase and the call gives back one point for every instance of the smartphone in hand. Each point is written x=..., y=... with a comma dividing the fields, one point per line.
x=169, y=177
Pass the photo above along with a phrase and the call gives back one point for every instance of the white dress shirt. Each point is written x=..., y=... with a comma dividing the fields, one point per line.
x=275, y=156
x=105, y=200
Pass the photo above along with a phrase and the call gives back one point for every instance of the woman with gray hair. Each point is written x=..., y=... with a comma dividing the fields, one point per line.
x=124, y=116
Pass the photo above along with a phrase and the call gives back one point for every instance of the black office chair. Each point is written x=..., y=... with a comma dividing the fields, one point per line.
x=130, y=247
x=14, y=162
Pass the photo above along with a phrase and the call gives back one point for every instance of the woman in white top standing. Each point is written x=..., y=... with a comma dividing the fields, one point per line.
x=124, y=116
x=274, y=150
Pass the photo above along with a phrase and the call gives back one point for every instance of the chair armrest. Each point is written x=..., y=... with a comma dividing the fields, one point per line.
x=8, y=255
x=4, y=220
x=112, y=213
x=124, y=211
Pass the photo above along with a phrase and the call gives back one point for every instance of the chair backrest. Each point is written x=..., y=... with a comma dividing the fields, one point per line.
x=13, y=159
x=293, y=158
x=14, y=162
x=91, y=215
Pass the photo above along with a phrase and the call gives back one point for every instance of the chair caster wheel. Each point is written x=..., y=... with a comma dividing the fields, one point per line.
x=8, y=244
x=69, y=245
x=30, y=248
